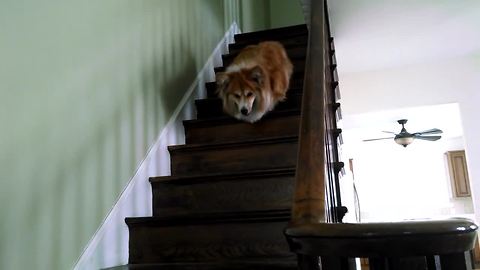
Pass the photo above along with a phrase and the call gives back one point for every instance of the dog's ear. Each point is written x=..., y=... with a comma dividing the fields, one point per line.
x=257, y=75
x=222, y=80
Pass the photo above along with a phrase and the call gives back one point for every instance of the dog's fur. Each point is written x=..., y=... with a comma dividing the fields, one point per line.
x=255, y=82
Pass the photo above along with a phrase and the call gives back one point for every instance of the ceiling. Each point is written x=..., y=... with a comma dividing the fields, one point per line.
x=379, y=34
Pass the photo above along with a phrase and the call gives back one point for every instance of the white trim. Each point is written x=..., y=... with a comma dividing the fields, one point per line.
x=109, y=245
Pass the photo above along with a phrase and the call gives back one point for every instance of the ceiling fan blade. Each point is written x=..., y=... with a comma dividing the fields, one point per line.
x=391, y=132
x=377, y=139
x=430, y=131
x=428, y=138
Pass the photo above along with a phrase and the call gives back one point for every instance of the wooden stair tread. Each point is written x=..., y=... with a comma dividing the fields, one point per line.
x=258, y=153
x=225, y=119
x=211, y=107
x=255, y=190
x=211, y=218
x=280, y=122
x=298, y=69
x=212, y=237
x=271, y=140
x=295, y=53
x=189, y=179
x=295, y=92
x=213, y=101
x=288, y=42
x=234, y=265
x=297, y=58
x=211, y=88
x=272, y=34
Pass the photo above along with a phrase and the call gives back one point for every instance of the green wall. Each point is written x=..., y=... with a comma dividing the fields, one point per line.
x=285, y=13
x=85, y=89
x=264, y=14
x=255, y=15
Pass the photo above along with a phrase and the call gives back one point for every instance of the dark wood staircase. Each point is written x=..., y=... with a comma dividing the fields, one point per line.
x=230, y=194
x=266, y=195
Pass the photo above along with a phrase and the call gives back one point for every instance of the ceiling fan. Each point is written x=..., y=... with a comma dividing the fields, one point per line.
x=405, y=138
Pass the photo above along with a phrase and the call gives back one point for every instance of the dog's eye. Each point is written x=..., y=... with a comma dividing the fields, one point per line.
x=249, y=94
x=237, y=95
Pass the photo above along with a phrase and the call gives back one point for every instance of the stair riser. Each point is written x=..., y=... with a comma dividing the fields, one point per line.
x=251, y=194
x=237, y=130
x=213, y=107
x=236, y=158
x=208, y=242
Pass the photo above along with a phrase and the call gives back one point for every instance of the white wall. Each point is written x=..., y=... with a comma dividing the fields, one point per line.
x=470, y=112
x=427, y=83
x=396, y=183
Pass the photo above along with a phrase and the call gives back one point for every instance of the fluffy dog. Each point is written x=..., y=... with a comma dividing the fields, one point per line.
x=255, y=82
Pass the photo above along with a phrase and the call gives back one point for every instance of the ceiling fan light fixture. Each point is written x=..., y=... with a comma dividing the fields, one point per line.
x=404, y=140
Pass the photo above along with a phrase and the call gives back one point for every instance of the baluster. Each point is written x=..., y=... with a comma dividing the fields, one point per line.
x=337, y=263
x=377, y=263
x=433, y=263
x=306, y=262
x=456, y=261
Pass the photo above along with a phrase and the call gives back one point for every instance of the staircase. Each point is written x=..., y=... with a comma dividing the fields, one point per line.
x=266, y=195
x=230, y=194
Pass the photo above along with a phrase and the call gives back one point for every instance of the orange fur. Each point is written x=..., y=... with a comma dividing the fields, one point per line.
x=255, y=82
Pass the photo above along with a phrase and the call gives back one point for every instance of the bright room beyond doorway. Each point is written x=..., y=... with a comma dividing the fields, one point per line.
x=413, y=182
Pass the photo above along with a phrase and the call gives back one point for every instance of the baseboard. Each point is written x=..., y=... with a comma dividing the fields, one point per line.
x=109, y=245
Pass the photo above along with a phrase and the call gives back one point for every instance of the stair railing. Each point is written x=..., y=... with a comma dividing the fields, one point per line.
x=315, y=232
x=309, y=199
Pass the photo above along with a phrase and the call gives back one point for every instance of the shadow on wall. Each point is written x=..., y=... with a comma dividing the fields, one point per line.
x=101, y=169
x=99, y=113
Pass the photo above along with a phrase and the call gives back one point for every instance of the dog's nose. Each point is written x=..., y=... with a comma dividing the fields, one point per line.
x=244, y=111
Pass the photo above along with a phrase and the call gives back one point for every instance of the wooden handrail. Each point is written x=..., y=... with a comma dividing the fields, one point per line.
x=441, y=244
x=388, y=239
x=309, y=198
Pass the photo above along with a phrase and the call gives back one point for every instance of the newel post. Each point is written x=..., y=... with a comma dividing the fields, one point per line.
x=309, y=198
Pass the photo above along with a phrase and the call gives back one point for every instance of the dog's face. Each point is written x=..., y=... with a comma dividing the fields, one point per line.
x=240, y=92
x=243, y=99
